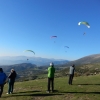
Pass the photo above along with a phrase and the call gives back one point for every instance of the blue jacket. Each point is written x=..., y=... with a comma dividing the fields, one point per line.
x=3, y=78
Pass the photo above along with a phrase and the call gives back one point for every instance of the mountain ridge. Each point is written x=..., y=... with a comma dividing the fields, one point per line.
x=39, y=61
x=94, y=58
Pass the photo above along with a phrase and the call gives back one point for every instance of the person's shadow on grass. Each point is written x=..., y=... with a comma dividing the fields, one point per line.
x=86, y=84
x=33, y=93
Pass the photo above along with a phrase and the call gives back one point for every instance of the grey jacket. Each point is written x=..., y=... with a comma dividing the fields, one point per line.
x=71, y=70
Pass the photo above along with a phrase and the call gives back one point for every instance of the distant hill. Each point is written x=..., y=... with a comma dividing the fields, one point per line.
x=10, y=60
x=20, y=62
x=95, y=58
x=18, y=67
x=86, y=65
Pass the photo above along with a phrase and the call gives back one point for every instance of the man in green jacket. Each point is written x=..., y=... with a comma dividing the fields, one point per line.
x=51, y=71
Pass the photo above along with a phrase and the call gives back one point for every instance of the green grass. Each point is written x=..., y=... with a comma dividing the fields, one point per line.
x=83, y=88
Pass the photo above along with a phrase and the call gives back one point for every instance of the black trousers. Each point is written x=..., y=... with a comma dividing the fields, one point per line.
x=1, y=89
x=51, y=83
x=71, y=78
x=11, y=86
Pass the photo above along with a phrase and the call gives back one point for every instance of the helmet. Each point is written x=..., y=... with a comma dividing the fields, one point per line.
x=51, y=64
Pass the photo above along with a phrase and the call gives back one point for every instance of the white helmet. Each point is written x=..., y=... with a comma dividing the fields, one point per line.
x=51, y=64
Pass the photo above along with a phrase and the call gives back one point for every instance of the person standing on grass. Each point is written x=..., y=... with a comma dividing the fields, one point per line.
x=3, y=78
x=11, y=81
x=71, y=74
x=51, y=71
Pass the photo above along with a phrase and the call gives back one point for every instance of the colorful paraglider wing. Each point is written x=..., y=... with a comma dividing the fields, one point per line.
x=53, y=36
x=85, y=23
x=29, y=51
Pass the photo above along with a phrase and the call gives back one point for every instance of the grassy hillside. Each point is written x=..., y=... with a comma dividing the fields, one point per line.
x=90, y=59
x=83, y=88
x=86, y=69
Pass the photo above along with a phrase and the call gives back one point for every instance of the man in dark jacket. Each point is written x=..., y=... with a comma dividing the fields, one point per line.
x=51, y=71
x=3, y=78
x=11, y=80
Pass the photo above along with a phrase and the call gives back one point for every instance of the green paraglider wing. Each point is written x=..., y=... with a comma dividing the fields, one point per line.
x=29, y=51
x=85, y=23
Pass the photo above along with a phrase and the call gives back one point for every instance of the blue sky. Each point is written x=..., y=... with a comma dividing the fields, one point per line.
x=29, y=24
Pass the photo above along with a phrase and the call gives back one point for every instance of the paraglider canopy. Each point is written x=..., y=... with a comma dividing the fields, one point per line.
x=85, y=23
x=53, y=36
x=29, y=51
x=66, y=46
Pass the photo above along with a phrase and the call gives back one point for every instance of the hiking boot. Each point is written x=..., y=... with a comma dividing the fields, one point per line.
x=10, y=92
x=47, y=91
x=7, y=93
x=52, y=91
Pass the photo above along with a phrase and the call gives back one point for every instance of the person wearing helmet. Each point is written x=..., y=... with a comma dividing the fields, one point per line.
x=51, y=71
